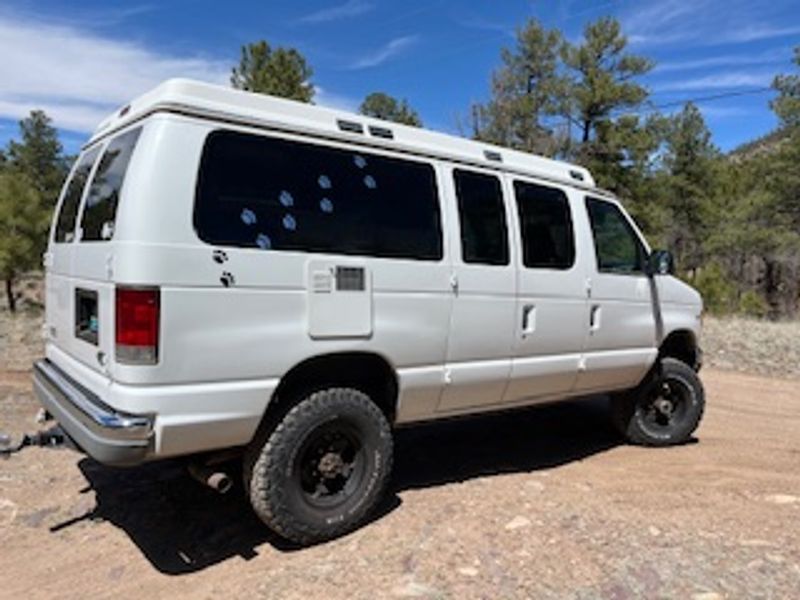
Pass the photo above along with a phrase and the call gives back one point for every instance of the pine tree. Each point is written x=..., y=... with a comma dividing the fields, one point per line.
x=280, y=72
x=39, y=156
x=384, y=106
x=602, y=76
x=526, y=90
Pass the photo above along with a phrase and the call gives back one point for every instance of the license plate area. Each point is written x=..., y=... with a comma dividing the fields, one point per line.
x=87, y=326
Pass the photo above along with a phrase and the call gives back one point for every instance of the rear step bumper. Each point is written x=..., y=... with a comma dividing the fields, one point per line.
x=109, y=436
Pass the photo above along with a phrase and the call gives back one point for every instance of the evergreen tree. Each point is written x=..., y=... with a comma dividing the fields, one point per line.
x=39, y=156
x=526, y=89
x=787, y=104
x=602, y=76
x=384, y=106
x=691, y=160
x=280, y=72
x=24, y=219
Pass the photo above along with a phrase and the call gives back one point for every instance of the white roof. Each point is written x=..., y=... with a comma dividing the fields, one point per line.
x=206, y=100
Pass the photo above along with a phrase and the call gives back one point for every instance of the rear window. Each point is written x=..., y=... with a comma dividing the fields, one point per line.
x=260, y=192
x=65, y=223
x=97, y=222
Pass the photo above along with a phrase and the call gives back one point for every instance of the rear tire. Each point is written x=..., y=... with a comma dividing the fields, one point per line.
x=323, y=469
x=664, y=410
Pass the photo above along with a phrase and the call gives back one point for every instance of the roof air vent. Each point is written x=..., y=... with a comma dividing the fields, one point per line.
x=576, y=174
x=381, y=132
x=493, y=155
x=350, y=126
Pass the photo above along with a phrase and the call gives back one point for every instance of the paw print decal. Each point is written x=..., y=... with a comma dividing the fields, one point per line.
x=227, y=279
x=219, y=256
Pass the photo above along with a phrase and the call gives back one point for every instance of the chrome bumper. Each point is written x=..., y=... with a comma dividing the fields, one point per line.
x=109, y=436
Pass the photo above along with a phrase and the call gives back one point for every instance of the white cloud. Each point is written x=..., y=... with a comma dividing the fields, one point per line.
x=717, y=81
x=351, y=8
x=776, y=56
x=706, y=22
x=79, y=77
x=752, y=33
x=388, y=51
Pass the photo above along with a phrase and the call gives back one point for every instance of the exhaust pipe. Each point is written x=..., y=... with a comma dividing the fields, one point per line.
x=218, y=481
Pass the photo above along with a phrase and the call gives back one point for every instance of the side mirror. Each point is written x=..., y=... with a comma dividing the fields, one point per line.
x=660, y=262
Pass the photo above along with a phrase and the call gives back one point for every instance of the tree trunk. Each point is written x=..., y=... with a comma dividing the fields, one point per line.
x=772, y=288
x=12, y=302
x=587, y=129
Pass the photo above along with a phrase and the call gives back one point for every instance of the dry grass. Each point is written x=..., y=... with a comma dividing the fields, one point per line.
x=731, y=343
x=753, y=346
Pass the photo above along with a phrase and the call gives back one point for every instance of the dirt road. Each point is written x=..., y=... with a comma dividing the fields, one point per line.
x=542, y=503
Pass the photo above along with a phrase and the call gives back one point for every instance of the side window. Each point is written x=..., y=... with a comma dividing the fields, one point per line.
x=617, y=246
x=65, y=223
x=546, y=226
x=100, y=210
x=259, y=192
x=482, y=215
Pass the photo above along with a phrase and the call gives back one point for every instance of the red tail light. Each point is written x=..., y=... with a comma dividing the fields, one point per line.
x=138, y=316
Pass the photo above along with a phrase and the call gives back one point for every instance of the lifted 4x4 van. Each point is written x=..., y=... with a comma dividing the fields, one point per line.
x=231, y=272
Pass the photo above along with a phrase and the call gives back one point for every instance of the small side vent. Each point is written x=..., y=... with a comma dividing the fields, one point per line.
x=576, y=175
x=381, y=132
x=350, y=126
x=350, y=279
x=492, y=155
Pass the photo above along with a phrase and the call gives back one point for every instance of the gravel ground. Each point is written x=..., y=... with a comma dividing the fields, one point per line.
x=542, y=503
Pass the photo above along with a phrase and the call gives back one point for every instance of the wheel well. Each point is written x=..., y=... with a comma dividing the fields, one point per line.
x=367, y=372
x=681, y=345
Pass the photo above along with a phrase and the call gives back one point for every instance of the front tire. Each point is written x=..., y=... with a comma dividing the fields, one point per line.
x=664, y=410
x=323, y=469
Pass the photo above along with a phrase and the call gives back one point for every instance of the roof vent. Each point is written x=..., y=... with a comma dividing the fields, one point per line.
x=576, y=174
x=381, y=132
x=350, y=126
x=493, y=155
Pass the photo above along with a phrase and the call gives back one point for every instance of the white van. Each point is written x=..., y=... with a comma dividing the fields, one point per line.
x=234, y=274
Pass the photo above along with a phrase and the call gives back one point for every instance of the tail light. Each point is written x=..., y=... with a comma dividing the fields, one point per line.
x=138, y=316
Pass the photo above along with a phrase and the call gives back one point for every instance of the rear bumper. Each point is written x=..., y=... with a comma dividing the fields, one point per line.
x=107, y=435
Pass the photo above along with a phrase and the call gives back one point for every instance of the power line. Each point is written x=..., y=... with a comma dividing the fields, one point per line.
x=698, y=99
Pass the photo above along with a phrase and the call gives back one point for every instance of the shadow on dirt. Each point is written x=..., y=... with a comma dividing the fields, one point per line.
x=183, y=527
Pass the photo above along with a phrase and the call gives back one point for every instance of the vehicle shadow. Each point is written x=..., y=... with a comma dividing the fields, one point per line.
x=181, y=526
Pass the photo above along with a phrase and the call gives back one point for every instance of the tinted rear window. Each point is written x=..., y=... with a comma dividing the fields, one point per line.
x=65, y=223
x=546, y=223
x=482, y=218
x=260, y=192
x=100, y=210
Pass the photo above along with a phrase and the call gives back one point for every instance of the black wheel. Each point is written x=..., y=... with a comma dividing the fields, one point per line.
x=320, y=472
x=664, y=410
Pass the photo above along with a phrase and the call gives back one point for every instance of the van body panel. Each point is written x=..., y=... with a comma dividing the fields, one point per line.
x=461, y=335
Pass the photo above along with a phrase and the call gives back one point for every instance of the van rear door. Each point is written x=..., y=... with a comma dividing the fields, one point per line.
x=59, y=258
x=82, y=297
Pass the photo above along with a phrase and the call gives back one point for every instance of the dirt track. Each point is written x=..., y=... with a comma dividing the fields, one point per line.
x=542, y=504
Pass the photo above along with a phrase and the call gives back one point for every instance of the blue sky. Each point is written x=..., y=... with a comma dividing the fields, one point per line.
x=80, y=61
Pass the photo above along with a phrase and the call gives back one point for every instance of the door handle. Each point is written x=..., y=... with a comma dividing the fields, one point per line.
x=528, y=319
x=594, y=318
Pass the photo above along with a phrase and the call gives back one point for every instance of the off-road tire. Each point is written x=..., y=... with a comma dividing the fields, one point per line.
x=631, y=411
x=274, y=466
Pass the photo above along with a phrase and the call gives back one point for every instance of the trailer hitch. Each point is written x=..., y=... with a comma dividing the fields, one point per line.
x=50, y=438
